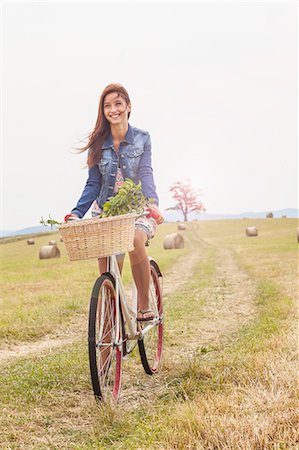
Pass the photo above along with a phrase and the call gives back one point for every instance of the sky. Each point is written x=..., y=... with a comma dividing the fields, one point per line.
x=215, y=84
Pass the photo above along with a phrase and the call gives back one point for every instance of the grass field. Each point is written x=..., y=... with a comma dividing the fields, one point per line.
x=229, y=374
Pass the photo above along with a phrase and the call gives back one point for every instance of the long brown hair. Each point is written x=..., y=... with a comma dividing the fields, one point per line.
x=102, y=127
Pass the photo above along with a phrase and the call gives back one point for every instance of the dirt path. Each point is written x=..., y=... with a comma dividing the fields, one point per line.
x=42, y=346
x=172, y=282
x=228, y=305
x=230, y=301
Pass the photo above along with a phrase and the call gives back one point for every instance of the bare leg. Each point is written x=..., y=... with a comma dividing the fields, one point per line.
x=140, y=267
x=103, y=263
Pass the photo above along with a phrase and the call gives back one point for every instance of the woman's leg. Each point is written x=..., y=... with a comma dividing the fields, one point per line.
x=140, y=267
x=103, y=263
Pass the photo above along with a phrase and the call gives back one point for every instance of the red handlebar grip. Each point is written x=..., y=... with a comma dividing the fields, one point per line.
x=153, y=214
x=66, y=218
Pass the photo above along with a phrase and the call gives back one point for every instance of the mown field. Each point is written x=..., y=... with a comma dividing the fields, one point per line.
x=230, y=364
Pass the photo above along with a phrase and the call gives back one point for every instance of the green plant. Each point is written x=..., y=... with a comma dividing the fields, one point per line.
x=49, y=221
x=129, y=198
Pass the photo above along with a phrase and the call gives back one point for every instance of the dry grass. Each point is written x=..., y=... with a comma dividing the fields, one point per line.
x=231, y=387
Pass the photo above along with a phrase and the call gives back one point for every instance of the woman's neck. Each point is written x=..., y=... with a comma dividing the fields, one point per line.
x=119, y=131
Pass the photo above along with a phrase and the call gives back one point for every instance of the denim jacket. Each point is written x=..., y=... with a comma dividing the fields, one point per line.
x=134, y=156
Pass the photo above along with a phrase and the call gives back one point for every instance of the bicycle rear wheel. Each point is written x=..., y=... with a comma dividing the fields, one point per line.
x=151, y=345
x=104, y=340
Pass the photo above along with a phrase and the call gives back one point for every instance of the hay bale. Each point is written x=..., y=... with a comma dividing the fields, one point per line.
x=181, y=226
x=283, y=217
x=173, y=240
x=251, y=231
x=269, y=215
x=49, y=251
x=30, y=242
x=52, y=242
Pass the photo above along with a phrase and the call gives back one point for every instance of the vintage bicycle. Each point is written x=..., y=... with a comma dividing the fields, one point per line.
x=113, y=330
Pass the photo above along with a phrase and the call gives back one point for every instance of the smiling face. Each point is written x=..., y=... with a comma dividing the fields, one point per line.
x=115, y=109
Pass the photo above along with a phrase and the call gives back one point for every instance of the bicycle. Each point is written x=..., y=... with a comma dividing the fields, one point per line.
x=113, y=329
x=113, y=326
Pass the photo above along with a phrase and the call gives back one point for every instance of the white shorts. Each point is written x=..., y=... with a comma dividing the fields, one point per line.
x=148, y=225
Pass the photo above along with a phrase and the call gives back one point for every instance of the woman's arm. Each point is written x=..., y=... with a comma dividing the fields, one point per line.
x=90, y=192
x=146, y=175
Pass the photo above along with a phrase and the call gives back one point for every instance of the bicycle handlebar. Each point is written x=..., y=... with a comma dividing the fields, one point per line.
x=147, y=213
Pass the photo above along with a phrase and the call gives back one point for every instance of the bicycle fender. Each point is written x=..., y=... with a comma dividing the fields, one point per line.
x=153, y=262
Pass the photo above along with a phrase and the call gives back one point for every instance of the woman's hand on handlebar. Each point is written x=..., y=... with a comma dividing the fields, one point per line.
x=70, y=217
x=154, y=212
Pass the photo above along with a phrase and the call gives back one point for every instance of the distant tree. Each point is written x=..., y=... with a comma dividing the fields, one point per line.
x=187, y=199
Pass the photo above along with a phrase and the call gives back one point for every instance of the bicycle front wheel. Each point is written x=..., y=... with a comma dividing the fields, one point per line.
x=104, y=340
x=151, y=345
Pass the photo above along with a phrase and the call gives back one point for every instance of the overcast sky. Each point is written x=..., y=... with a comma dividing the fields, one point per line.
x=215, y=84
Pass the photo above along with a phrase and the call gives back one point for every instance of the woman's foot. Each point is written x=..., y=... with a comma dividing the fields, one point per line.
x=145, y=315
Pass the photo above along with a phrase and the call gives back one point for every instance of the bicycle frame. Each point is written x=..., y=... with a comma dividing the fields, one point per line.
x=134, y=331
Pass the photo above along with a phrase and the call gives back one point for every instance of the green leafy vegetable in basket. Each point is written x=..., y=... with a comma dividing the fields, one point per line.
x=49, y=221
x=129, y=199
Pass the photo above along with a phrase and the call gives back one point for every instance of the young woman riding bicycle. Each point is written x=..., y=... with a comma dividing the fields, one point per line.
x=117, y=150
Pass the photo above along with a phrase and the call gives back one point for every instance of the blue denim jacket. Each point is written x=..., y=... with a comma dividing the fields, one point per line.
x=135, y=159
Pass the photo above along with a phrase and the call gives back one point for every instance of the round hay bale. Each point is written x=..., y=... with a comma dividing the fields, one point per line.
x=251, y=231
x=49, y=251
x=269, y=215
x=52, y=243
x=30, y=242
x=181, y=226
x=173, y=240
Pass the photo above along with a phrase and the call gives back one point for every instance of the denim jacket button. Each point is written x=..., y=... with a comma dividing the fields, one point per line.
x=124, y=167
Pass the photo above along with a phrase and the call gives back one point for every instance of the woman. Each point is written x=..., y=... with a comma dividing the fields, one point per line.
x=116, y=151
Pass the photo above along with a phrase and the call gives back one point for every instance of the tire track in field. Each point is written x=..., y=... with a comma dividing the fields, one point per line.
x=229, y=303
x=45, y=345
x=51, y=342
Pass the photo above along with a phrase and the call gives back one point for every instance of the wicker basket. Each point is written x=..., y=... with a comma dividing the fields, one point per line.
x=94, y=238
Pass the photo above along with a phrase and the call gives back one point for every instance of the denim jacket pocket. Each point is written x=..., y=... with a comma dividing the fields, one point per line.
x=135, y=152
x=103, y=166
x=133, y=159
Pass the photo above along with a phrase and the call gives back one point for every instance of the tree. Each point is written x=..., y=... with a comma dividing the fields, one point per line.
x=186, y=199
